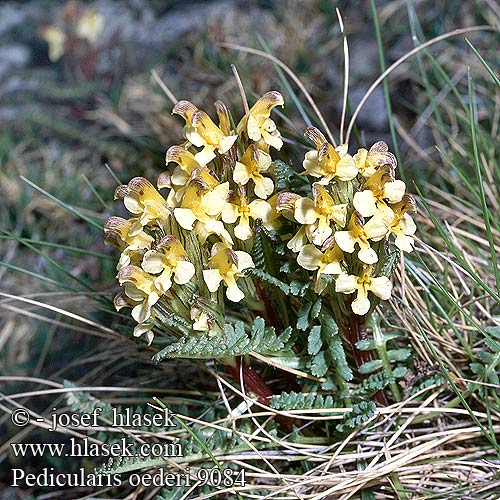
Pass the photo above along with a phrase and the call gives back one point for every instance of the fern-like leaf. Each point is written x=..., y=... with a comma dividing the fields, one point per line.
x=235, y=342
x=361, y=413
x=301, y=401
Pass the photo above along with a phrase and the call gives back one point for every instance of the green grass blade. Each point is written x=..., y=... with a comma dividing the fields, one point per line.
x=64, y=205
x=487, y=216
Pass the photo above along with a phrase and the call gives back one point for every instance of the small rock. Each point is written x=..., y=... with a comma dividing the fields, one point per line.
x=373, y=114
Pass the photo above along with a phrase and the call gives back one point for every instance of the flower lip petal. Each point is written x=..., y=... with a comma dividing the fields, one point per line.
x=184, y=271
x=309, y=257
x=212, y=278
x=234, y=294
x=381, y=287
x=305, y=211
x=346, y=283
x=360, y=306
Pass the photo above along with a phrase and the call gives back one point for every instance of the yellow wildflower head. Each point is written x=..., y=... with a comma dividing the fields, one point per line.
x=367, y=162
x=227, y=265
x=359, y=232
x=202, y=204
x=325, y=261
x=257, y=123
x=201, y=131
x=117, y=232
x=379, y=189
x=237, y=208
x=140, y=287
x=253, y=162
x=169, y=258
x=319, y=214
x=122, y=228
x=402, y=226
x=186, y=163
x=142, y=199
x=326, y=161
x=349, y=283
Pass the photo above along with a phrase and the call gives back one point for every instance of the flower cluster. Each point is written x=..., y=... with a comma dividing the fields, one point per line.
x=355, y=204
x=217, y=190
x=182, y=249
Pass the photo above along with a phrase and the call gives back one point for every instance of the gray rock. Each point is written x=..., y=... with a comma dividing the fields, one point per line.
x=13, y=15
x=126, y=23
x=373, y=114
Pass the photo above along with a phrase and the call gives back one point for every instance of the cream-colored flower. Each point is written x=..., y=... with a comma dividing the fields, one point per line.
x=145, y=328
x=237, y=208
x=56, y=40
x=141, y=288
x=202, y=205
x=349, y=283
x=402, y=226
x=252, y=163
x=120, y=301
x=359, y=232
x=186, y=163
x=122, y=228
x=367, y=162
x=169, y=258
x=201, y=131
x=328, y=162
x=379, y=189
x=117, y=232
x=327, y=261
x=142, y=199
x=257, y=122
x=319, y=213
x=90, y=26
x=227, y=265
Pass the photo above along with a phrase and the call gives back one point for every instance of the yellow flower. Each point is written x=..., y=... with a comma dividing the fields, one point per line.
x=140, y=287
x=169, y=258
x=120, y=301
x=145, y=328
x=253, y=162
x=359, y=232
x=201, y=131
x=402, y=225
x=326, y=261
x=349, y=283
x=238, y=208
x=378, y=188
x=90, y=26
x=117, y=231
x=122, y=228
x=257, y=122
x=56, y=39
x=141, y=198
x=319, y=213
x=328, y=162
x=367, y=162
x=226, y=265
x=186, y=163
x=202, y=205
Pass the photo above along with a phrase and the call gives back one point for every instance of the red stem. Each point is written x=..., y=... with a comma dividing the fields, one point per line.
x=256, y=385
